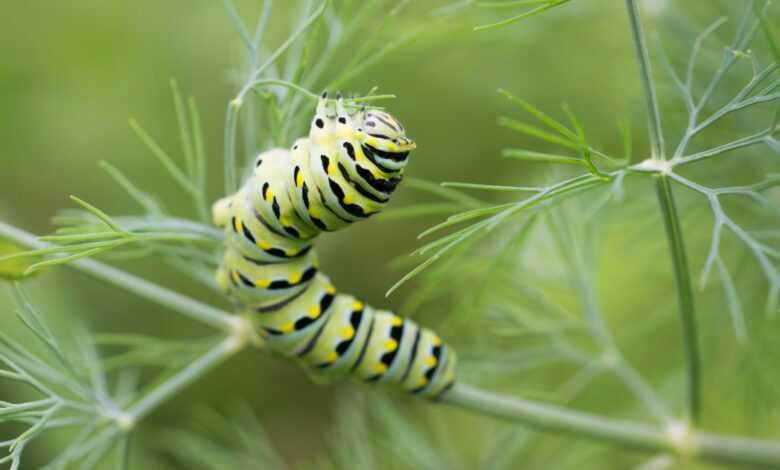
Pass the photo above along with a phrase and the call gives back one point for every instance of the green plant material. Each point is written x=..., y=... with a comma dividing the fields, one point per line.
x=231, y=119
x=549, y=322
x=235, y=439
x=657, y=145
x=77, y=393
x=88, y=241
x=769, y=30
x=144, y=200
x=12, y=266
x=490, y=187
x=491, y=217
x=685, y=301
x=539, y=157
x=551, y=418
x=153, y=292
x=540, y=7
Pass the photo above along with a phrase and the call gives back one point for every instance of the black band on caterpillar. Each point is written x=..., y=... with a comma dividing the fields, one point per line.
x=337, y=175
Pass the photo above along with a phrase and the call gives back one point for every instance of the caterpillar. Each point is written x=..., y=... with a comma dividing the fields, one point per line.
x=344, y=171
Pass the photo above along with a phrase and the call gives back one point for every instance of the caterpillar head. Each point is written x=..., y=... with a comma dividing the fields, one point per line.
x=383, y=132
x=376, y=129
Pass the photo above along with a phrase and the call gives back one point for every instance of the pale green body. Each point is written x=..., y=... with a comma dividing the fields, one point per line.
x=343, y=172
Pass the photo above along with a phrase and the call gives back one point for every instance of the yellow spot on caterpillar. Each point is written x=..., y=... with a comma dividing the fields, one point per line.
x=391, y=345
x=264, y=245
x=293, y=251
x=436, y=341
x=288, y=327
x=234, y=275
x=380, y=368
x=314, y=311
x=348, y=332
x=332, y=169
x=239, y=226
x=263, y=283
x=372, y=142
x=330, y=289
x=431, y=361
x=422, y=382
x=314, y=211
x=295, y=278
x=348, y=199
x=397, y=321
x=332, y=356
x=299, y=180
x=376, y=173
x=357, y=305
x=285, y=221
x=269, y=195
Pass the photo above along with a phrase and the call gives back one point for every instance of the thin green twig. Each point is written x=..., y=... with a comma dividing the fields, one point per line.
x=683, y=442
x=646, y=73
x=684, y=294
x=671, y=220
x=173, y=300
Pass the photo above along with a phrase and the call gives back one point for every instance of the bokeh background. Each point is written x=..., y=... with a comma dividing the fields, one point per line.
x=73, y=73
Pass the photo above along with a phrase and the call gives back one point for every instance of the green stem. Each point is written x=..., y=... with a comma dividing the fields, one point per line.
x=682, y=279
x=704, y=446
x=671, y=219
x=231, y=128
x=135, y=285
x=122, y=424
x=654, y=114
x=166, y=390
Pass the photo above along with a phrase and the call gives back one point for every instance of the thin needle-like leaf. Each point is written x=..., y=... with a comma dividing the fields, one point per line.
x=540, y=115
x=143, y=199
x=534, y=11
x=539, y=157
x=184, y=131
x=164, y=158
x=105, y=218
x=490, y=187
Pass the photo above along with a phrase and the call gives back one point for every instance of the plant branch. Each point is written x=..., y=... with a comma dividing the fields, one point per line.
x=611, y=357
x=167, y=298
x=681, y=441
x=226, y=348
x=682, y=278
x=654, y=114
x=671, y=218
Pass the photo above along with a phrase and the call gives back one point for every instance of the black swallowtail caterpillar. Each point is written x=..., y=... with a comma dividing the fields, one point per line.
x=343, y=172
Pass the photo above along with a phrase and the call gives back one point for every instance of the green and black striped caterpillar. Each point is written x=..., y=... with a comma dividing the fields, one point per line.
x=343, y=172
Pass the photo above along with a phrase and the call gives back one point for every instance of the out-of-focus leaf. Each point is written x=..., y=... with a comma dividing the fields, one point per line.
x=15, y=268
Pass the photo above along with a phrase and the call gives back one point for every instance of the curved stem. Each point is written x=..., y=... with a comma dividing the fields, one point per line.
x=683, y=442
x=133, y=284
x=682, y=279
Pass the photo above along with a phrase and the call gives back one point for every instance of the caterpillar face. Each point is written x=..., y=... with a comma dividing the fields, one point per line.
x=376, y=130
x=383, y=133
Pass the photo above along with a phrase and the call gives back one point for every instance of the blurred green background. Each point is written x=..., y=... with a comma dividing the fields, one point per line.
x=72, y=73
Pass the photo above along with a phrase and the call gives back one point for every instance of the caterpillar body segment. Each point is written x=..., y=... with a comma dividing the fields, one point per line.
x=344, y=171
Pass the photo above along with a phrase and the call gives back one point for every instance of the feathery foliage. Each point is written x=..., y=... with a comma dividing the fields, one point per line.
x=551, y=344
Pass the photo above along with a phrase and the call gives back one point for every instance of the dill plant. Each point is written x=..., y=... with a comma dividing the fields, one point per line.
x=102, y=399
